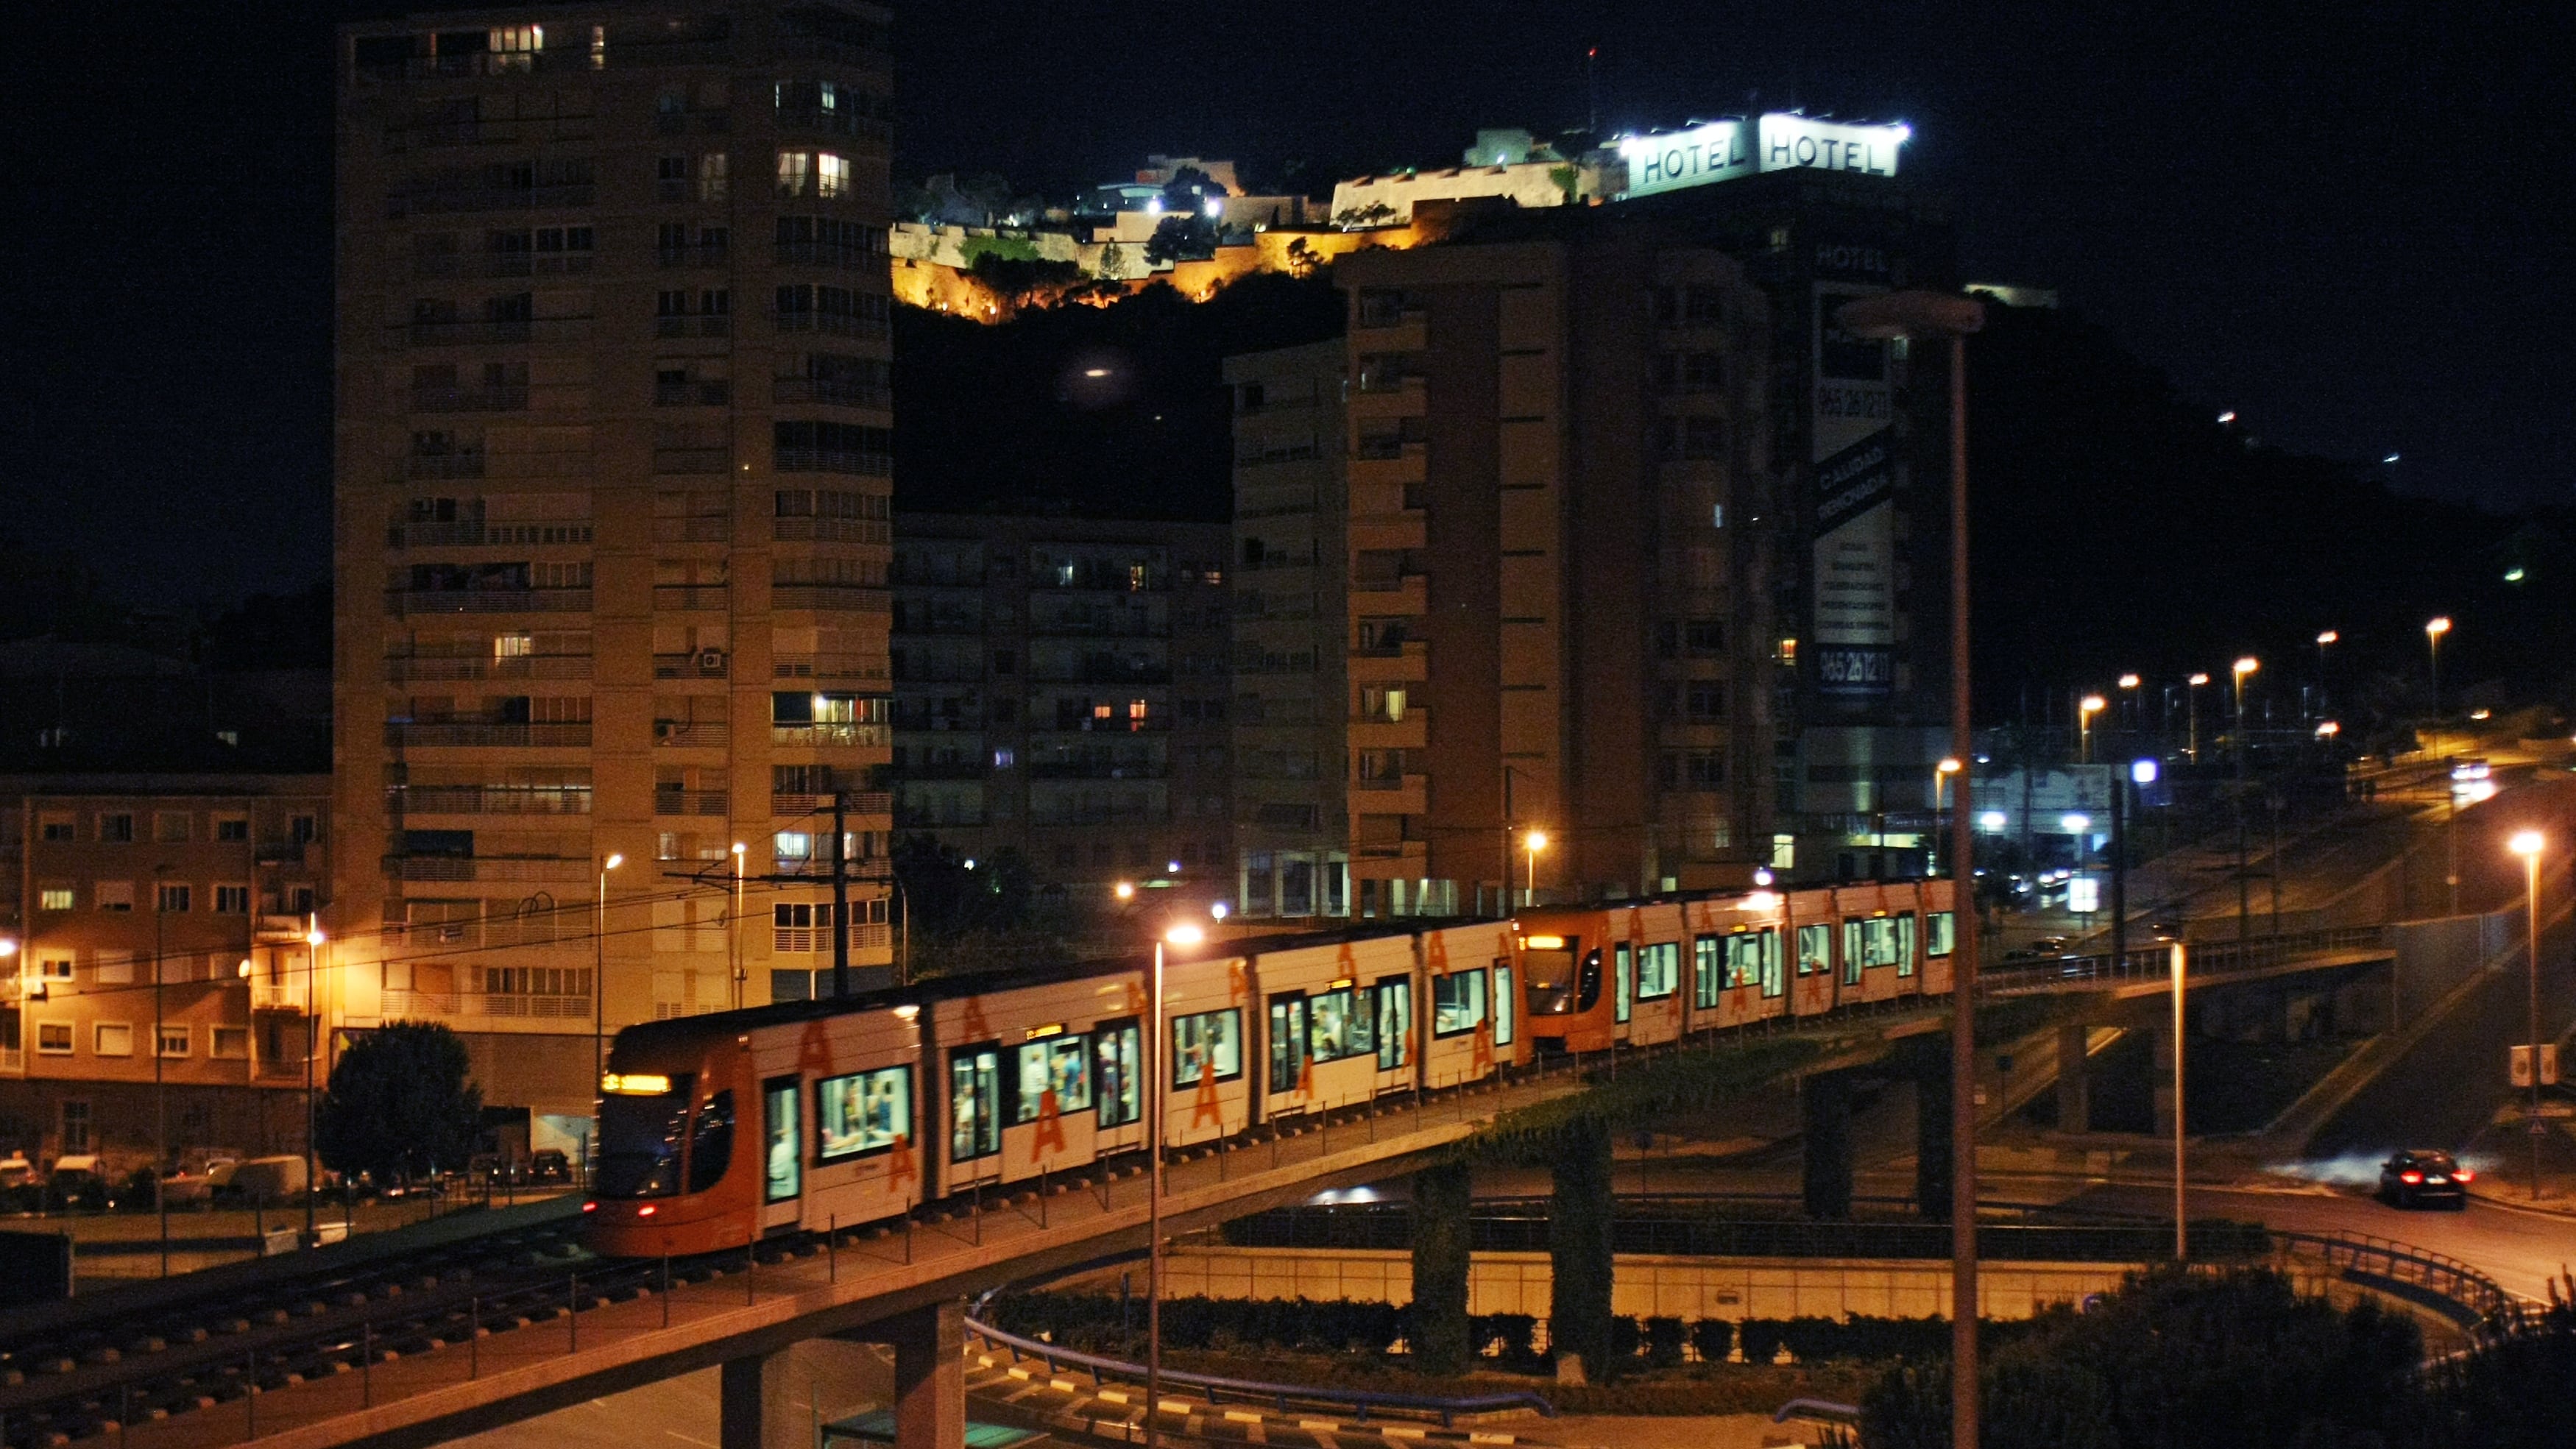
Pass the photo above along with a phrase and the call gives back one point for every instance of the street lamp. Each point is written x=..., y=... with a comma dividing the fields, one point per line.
x=733, y=933
x=1532, y=844
x=2191, y=708
x=2089, y=706
x=599, y=975
x=1186, y=933
x=2129, y=685
x=2324, y=638
x=2244, y=904
x=1910, y=314
x=1941, y=774
x=312, y=962
x=2434, y=629
x=2527, y=844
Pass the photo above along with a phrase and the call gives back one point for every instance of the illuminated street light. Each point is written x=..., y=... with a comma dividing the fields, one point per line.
x=1941, y=774
x=1531, y=845
x=2324, y=638
x=2085, y=709
x=599, y=974
x=2128, y=681
x=1125, y=890
x=2191, y=708
x=2434, y=629
x=2528, y=845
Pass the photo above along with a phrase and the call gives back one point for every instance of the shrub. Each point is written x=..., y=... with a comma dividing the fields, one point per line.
x=1664, y=1340
x=1714, y=1338
x=1762, y=1338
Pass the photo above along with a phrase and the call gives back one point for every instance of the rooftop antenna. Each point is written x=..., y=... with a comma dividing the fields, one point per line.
x=1592, y=90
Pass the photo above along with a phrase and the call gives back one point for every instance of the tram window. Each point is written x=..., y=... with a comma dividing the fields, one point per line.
x=1506, y=1010
x=1905, y=944
x=861, y=1113
x=1708, y=955
x=639, y=1141
x=1659, y=970
x=1851, y=953
x=974, y=1103
x=1815, y=950
x=1773, y=982
x=711, y=1143
x=1341, y=1023
x=1055, y=1064
x=1623, y=1004
x=1744, y=952
x=1210, y=1041
x=1394, y=1022
x=781, y=1108
x=1939, y=933
x=1553, y=974
x=1457, y=1002
x=1115, y=1052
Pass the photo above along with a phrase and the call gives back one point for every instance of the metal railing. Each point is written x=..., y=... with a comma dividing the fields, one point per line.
x=476, y=735
x=400, y=602
x=1285, y=1397
x=2200, y=958
x=2373, y=1261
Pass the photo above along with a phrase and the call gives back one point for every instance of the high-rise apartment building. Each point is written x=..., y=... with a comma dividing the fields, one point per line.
x=1557, y=608
x=1060, y=691
x=613, y=494
x=1291, y=572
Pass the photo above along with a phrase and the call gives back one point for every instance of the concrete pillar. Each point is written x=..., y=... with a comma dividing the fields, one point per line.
x=929, y=1376
x=1824, y=1111
x=756, y=1409
x=2162, y=1028
x=2074, y=1079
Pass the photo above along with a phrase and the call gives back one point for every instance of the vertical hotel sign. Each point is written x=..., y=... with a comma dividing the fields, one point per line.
x=1852, y=635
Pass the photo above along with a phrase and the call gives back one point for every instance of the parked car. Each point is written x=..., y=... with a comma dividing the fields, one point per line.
x=20, y=1189
x=2414, y=1178
x=185, y=1189
x=78, y=1181
x=549, y=1164
x=266, y=1181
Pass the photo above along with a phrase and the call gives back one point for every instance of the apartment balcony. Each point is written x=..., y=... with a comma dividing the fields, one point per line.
x=862, y=803
x=426, y=265
x=481, y=332
x=1408, y=662
x=704, y=664
x=974, y=769
x=701, y=461
x=832, y=530
x=446, y=201
x=1407, y=529
x=719, y=326
x=1413, y=732
x=487, y=868
x=861, y=667
x=416, y=669
x=279, y=929
x=835, y=324
x=840, y=394
x=831, y=598
x=449, y=734
x=1391, y=795
x=498, y=398
x=669, y=598
x=825, y=254
x=681, y=123
x=1376, y=464
x=413, y=603
x=692, y=734
x=833, y=735
x=694, y=256
x=835, y=460
x=488, y=535
x=704, y=528
x=870, y=868
x=1104, y=671
x=1099, y=770
x=834, y=122
x=282, y=993
x=1098, y=725
x=1406, y=594
x=409, y=800
x=691, y=802
x=712, y=393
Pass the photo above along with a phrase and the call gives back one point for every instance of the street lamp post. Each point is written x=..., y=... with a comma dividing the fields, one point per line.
x=2129, y=689
x=1184, y=934
x=2324, y=638
x=1532, y=844
x=599, y=974
x=2244, y=900
x=1941, y=774
x=160, y=1091
x=733, y=929
x=2191, y=711
x=312, y=1033
x=2085, y=708
x=2527, y=844
x=2434, y=629
x=1929, y=315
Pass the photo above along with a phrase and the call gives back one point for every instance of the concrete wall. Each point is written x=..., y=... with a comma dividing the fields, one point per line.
x=1645, y=1284
x=2434, y=957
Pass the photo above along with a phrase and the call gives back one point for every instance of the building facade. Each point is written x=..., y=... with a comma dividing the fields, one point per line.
x=1061, y=691
x=156, y=1000
x=613, y=443
x=1291, y=575
x=1558, y=611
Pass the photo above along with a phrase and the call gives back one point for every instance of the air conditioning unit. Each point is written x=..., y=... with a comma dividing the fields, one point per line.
x=711, y=661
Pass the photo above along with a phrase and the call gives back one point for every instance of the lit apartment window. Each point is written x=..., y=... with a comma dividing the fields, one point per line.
x=518, y=39
x=514, y=646
x=113, y=1039
x=54, y=898
x=813, y=173
x=713, y=176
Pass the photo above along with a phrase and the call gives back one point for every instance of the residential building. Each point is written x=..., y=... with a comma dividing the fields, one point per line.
x=614, y=446
x=1291, y=578
x=1557, y=600
x=160, y=983
x=1061, y=691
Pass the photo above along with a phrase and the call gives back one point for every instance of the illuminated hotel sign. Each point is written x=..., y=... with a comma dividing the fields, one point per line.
x=1724, y=150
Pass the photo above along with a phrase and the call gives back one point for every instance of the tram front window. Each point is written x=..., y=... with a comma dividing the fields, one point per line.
x=639, y=1141
x=1549, y=963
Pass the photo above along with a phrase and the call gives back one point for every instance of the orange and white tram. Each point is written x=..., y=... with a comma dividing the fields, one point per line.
x=717, y=1130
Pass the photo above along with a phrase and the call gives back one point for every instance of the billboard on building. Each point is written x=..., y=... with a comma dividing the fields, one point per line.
x=1852, y=634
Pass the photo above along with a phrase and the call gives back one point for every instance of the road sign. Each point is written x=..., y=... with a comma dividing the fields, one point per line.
x=2521, y=1065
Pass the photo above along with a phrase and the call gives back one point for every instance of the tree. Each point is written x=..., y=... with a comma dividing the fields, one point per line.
x=1181, y=237
x=399, y=1104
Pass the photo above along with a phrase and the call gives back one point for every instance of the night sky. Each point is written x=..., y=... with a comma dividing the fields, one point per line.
x=2350, y=224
